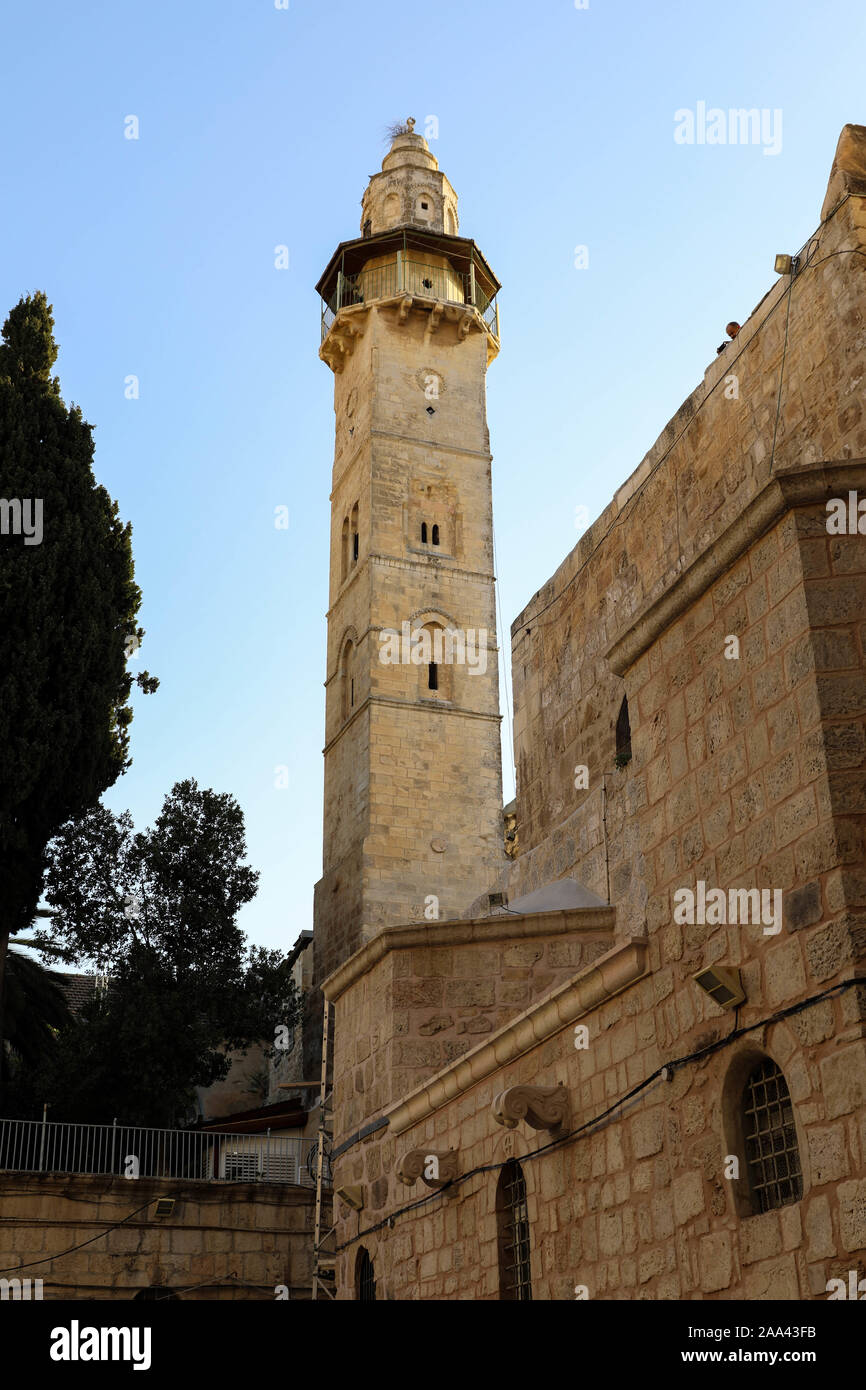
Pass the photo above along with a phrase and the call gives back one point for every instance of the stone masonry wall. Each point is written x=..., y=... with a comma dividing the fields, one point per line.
x=747, y=772
x=639, y=1208
x=220, y=1240
x=710, y=462
x=419, y=1008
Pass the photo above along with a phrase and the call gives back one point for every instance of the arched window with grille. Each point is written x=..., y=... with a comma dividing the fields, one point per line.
x=365, y=1277
x=512, y=1221
x=623, y=735
x=770, y=1137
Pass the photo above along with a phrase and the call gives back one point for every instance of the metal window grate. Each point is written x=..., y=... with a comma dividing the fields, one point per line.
x=772, y=1153
x=365, y=1278
x=514, y=1264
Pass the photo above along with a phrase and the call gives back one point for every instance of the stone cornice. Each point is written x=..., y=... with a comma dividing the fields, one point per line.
x=446, y=566
x=795, y=487
x=440, y=445
x=461, y=931
x=605, y=977
x=414, y=566
x=428, y=706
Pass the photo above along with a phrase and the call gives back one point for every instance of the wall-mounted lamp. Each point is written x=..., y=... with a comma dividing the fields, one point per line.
x=352, y=1196
x=722, y=984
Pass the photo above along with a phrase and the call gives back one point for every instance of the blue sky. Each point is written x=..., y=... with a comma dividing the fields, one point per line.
x=259, y=127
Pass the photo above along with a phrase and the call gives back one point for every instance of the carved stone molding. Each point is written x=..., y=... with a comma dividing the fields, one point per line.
x=789, y=488
x=432, y=1167
x=605, y=977
x=543, y=1107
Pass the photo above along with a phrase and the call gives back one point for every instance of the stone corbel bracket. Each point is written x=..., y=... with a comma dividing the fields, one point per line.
x=340, y=342
x=434, y=1169
x=542, y=1107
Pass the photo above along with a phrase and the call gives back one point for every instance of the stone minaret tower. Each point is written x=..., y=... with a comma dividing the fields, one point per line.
x=413, y=794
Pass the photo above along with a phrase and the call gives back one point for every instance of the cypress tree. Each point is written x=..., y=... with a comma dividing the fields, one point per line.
x=68, y=607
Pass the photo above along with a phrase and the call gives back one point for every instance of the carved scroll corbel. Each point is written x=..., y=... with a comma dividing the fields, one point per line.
x=542, y=1107
x=405, y=306
x=434, y=1169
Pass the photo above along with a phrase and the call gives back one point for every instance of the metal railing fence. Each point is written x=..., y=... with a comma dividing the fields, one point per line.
x=36, y=1146
x=405, y=275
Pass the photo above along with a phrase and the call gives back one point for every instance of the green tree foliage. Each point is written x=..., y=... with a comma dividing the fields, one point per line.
x=68, y=606
x=35, y=1011
x=157, y=912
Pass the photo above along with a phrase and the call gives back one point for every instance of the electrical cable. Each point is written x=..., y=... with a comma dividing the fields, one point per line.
x=61, y=1253
x=782, y=372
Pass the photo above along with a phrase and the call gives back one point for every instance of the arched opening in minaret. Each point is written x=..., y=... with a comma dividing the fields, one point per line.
x=355, y=540
x=344, y=550
x=435, y=535
x=437, y=673
x=347, y=679
x=423, y=532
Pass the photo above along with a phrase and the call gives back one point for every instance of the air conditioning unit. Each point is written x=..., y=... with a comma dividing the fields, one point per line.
x=279, y=1168
x=241, y=1166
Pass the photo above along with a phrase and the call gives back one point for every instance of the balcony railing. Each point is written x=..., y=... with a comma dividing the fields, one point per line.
x=34, y=1146
x=404, y=275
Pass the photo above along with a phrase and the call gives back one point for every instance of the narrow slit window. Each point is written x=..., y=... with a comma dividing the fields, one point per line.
x=365, y=1277
x=623, y=735
x=435, y=536
x=423, y=532
x=432, y=676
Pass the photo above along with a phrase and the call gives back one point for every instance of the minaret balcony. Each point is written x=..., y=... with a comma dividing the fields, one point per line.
x=437, y=272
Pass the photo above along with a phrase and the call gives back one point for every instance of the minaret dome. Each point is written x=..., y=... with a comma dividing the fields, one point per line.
x=410, y=191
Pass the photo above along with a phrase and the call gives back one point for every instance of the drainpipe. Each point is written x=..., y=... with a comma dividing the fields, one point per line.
x=42, y=1140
